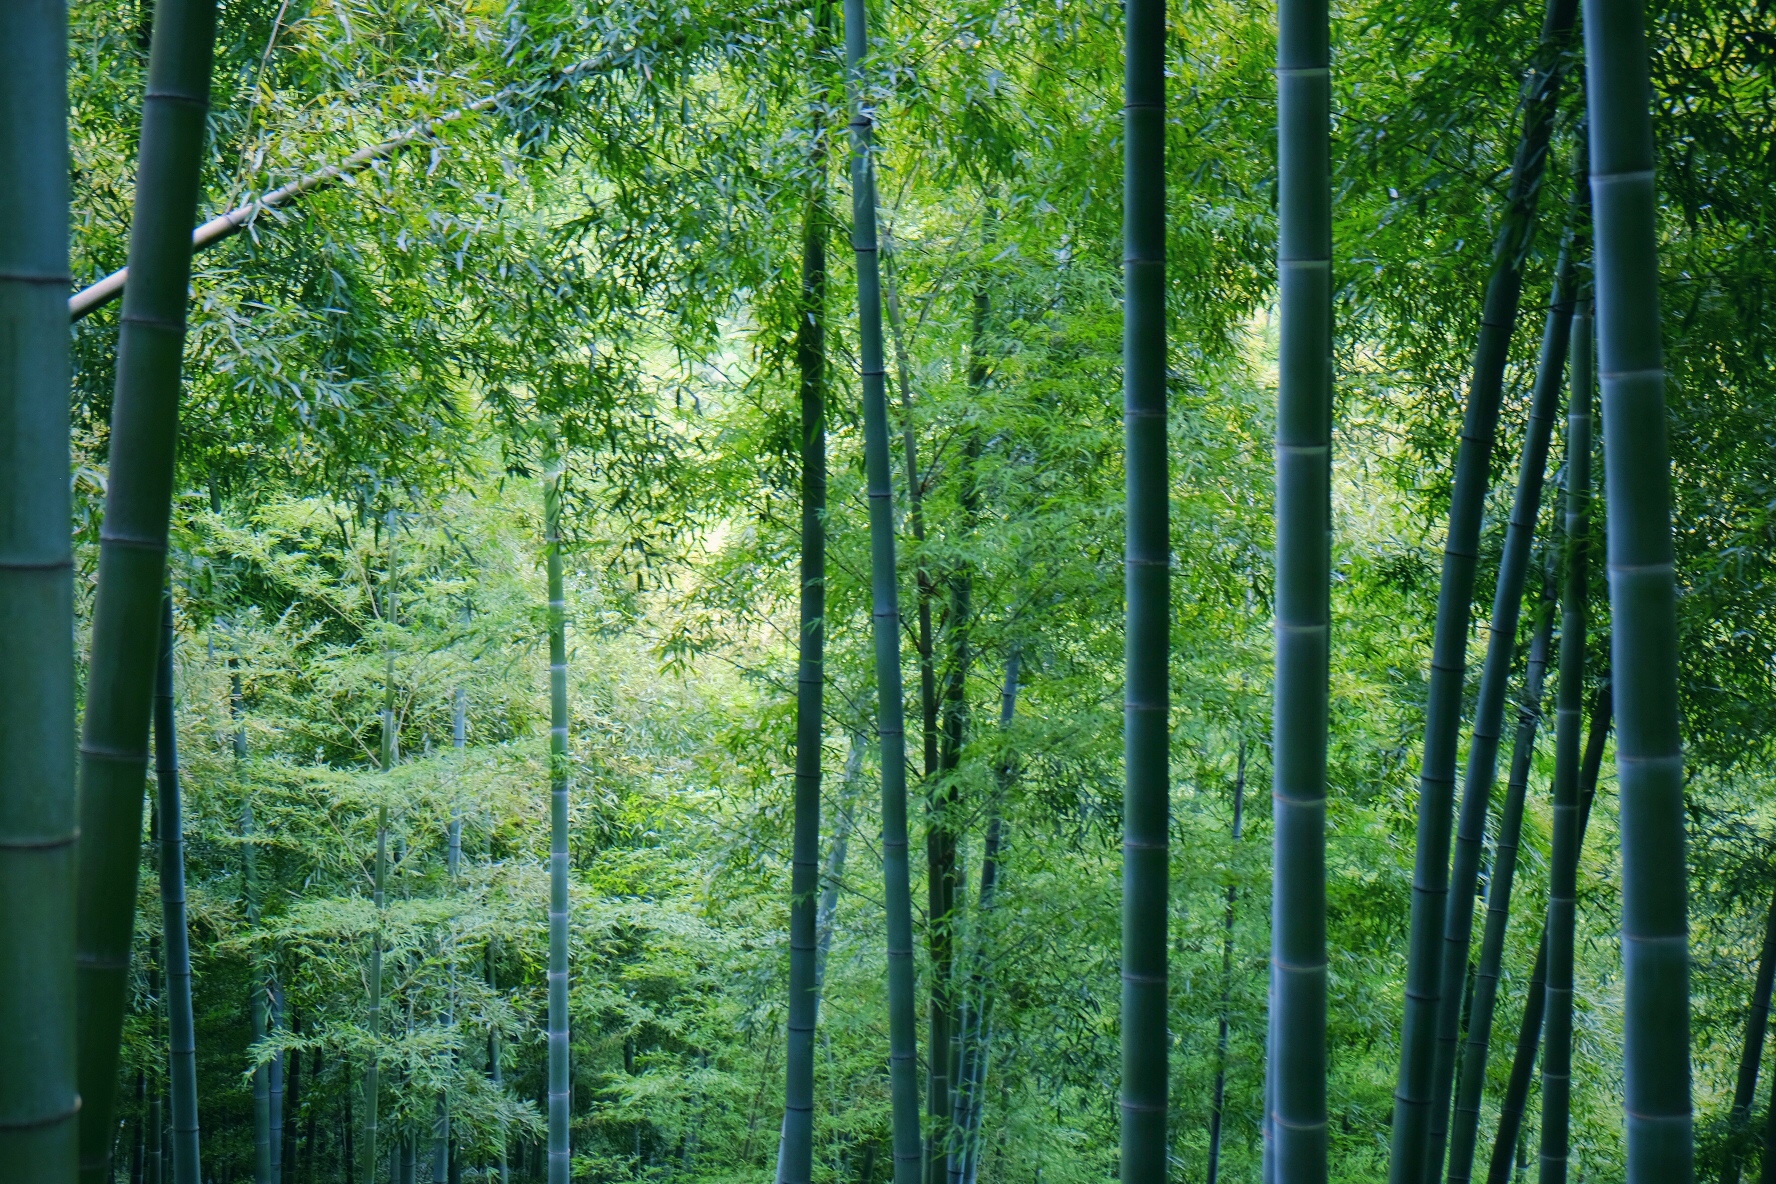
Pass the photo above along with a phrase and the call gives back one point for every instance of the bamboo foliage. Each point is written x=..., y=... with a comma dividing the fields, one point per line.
x=560, y=1134
x=1501, y=647
x=1414, y=1103
x=885, y=598
x=38, y=1108
x=1147, y=584
x=1563, y=861
x=132, y=551
x=1643, y=598
x=1296, y=1068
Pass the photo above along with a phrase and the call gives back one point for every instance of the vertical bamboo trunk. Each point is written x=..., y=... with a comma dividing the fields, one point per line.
x=132, y=551
x=495, y=1071
x=1563, y=860
x=1147, y=591
x=1297, y=1068
x=1465, y=1129
x=293, y=1103
x=182, y=1043
x=796, y=1156
x=1643, y=599
x=154, y=1120
x=459, y=734
x=274, y=1014
x=1501, y=648
x=262, y=1161
x=834, y=872
x=1414, y=1090
x=38, y=1110
x=1757, y=1025
x=885, y=595
x=1218, y=1100
x=373, y=1022
x=560, y=1148
x=1529, y=1031
x=975, y=1014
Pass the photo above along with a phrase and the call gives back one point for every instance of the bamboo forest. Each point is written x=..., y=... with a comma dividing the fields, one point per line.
x=887, y=591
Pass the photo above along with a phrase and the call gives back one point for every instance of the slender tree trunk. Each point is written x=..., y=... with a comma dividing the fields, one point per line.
x=182, y=1048
x=835, y=863
x=373, y=1023
x=132, y=552
x=1147, y=591
x=274, y=998
x=1767, y=1158
x=1303, y=580
x=1563, y=860
x=154, y=1122
x=1219, y=1099
x=1465, y=1132
x=1501, y=649
x=1529, y=1031
x=974, y=1021
x=1643, y=599
x=139, y=1146
x=796, y=1157
x=560, y=1148
x=262, y=1159
x=1757, y=1025
x=1415, y=1089
x=494, y=1070
x=885, y=595
x=38, y=1125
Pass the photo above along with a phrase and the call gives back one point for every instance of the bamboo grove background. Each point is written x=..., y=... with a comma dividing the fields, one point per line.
x=584, y=258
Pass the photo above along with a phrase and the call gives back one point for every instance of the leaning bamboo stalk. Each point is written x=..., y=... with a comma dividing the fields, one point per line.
x=903, y=1066
x=1501, y=650
x=1757, y=1026
x=39, y=1109
x=132, y=552
x=1643, y=598
x=1147, y=596
x=182, y=1042
x=1507, y=1139
x=1415, y=1087
x=1297, y=1066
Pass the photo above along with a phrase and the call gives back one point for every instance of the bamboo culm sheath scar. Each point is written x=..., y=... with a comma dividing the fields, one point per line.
x=38, y=1108
x=1643, y=598
x=903, y=1064
x=1296, y=1069
x=132, y=552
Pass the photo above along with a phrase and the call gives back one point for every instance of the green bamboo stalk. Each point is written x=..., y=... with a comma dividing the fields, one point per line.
x=885, y=595
x=796, y=1157
x=1501, y=648
x=39, y=1109
x=1465, y=1130
x=560, y=1136
x=154, y=1120
x=1297, y=1067
x=388, y=754
x=182, y=1045
x=1147, y=590
x=1529, y=1032
x=1757, y=1026
x=1643, y=598
x=494, y=1052
x=1563, y=860
x=262, y=1156
x=1415, y=1089
x=132, y=552
x=1218, y=1100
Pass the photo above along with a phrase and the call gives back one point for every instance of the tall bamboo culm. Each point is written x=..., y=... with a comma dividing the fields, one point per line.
x=903, y=1065
x=796, y=1157
x=1147, y=583
x=39, y=1108
x=1757, y=1026
x=1501, y=648
x=132, y=552
x=1297, y=1065
x=560, y=1142
x=1563, y=859
x=1414, y=1088
x=182, y=1037
x=1643, y=598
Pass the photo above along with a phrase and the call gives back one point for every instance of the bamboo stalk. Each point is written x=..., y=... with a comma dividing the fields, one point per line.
x=1147, y=593
x=1643, y=598
x=885, y=596
x=38, y=1109
x=132, y=553
x=1218, y=1100
x=1501, y=649
x=1757, y=1025
x=560, y=1134
x=182, y=1043
x=1297, y=1067
x=1415, y=1088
